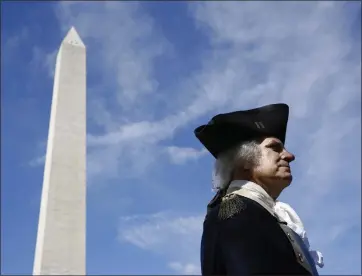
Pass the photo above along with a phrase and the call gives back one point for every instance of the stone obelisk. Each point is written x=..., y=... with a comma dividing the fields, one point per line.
x=61, y=239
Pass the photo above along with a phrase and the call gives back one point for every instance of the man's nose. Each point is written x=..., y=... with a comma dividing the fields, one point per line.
x=287, y=156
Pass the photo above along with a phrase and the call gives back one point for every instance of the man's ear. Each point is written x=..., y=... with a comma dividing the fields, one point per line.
x=244, y=173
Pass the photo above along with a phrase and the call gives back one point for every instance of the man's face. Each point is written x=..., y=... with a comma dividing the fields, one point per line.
x=273, y=169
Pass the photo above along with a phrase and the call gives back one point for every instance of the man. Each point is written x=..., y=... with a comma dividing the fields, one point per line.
x=243, y=235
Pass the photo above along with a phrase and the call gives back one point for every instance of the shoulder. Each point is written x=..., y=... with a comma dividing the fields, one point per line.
x=243, y=214
x=232, y=205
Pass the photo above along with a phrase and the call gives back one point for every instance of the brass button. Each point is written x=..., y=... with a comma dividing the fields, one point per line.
x=300, y=257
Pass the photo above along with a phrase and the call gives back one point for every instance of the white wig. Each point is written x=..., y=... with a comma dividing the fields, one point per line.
x=245, y=154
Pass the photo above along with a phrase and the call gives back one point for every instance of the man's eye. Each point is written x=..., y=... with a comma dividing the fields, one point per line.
x=276, y=147
x=272, y=145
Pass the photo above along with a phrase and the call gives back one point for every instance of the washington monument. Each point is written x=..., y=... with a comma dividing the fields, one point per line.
x=61, y=238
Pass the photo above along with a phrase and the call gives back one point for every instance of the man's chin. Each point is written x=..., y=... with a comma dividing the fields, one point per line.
x=287, y=180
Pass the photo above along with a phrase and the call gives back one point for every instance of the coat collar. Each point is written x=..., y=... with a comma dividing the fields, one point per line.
x=255, y=189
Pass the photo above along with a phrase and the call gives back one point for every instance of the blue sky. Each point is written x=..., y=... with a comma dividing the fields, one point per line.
x=155, y=72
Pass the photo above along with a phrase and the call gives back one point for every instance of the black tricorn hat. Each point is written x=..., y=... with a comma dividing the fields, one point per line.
x=228, y=129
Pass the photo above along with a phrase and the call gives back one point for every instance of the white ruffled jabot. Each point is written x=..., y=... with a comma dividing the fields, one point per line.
x=287, y=213
x=283, y=210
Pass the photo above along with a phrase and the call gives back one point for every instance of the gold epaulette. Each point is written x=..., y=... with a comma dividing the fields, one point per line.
x=230, y=206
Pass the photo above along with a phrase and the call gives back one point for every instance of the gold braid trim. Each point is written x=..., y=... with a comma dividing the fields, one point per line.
x=230, y=206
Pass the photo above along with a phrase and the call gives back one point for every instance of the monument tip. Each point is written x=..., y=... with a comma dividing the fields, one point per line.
x=73, y=38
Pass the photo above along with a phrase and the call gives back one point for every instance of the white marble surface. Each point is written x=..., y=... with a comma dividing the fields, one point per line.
x=61, y=240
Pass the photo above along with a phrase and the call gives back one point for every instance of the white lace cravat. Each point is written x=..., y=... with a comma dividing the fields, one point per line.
x=287, y=213
x=280, y=209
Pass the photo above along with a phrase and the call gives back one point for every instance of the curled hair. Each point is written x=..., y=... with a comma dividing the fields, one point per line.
x=245, y=154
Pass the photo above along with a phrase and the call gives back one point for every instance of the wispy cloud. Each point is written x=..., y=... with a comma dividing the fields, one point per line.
x=44, y=60
x=37, y=161
x=15, y=41
x=157, y=232
x=180, y=155
x=40, y=153
x=185, y=269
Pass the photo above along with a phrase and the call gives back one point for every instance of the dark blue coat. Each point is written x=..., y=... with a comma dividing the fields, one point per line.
x=240, y=237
